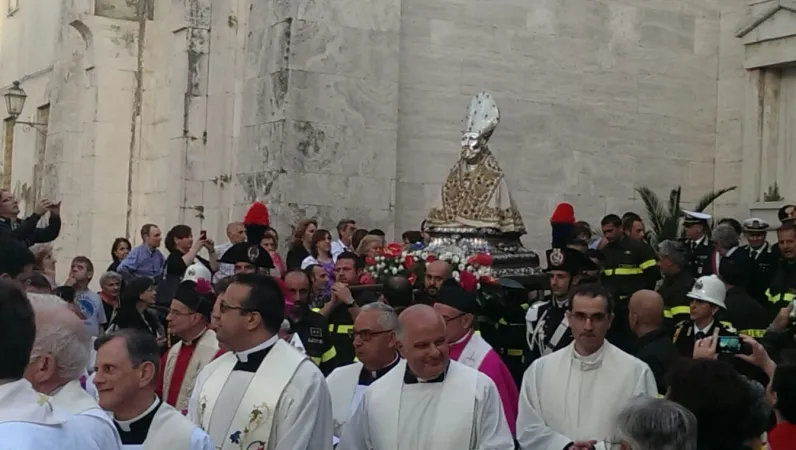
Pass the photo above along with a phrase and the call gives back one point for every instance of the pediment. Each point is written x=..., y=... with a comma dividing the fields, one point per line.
x=770, y=20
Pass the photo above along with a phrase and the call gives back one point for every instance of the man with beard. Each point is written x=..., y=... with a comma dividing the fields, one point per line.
x=436, y=273
x=310, y=326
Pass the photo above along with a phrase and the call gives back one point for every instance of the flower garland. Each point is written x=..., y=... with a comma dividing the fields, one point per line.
x=469, y=270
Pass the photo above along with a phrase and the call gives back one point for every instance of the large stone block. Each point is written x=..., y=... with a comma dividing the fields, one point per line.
x=667, y=29
x=429, y=68
x=265, y=99
x=268, y=48
x=377, y=15
x=330, y=48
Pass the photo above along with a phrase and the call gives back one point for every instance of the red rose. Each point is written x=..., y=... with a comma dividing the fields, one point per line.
x=371, y=261
x=366, y=278
x=481, y=259
x=488, y=279
x=431, y=258
x=393, y=249
x=468, y=281
x=409, y=262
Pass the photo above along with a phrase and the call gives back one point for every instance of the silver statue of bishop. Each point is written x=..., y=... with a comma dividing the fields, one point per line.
x=475, y=194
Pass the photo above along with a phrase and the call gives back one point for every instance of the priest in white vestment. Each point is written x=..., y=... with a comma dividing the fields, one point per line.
x=263, y=393
x=28, y=419
x=58, y=360
x=375, y=347
x=570, y=398
x=126, y=376
x=189, y=318
x=428, y=401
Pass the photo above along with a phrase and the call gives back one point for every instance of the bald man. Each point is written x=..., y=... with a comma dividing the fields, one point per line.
x=655, y=346
x=435, y=402
x=436, y=273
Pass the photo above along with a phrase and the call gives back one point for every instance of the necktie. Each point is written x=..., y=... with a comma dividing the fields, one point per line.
x=699, y=335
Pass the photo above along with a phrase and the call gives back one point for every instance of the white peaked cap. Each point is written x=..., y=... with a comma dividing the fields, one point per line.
x=693, y=215
x=710, y=289
x=196, y=271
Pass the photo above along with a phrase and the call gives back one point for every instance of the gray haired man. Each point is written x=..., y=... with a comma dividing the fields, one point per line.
x=654, y=424
x=58, y=360
x=677, y=282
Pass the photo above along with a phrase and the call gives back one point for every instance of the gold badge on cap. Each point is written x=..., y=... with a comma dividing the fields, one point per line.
x=557, y=257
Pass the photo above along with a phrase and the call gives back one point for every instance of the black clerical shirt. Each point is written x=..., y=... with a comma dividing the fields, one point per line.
x=366, y=377
x=135, y=432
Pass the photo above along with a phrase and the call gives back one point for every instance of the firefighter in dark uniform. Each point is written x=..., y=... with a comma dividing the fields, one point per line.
x=547, y=326
x=782, y=287
x=311, y=327
x=697, y=242
x=761, y=255
x=507, y=336
x=743, y=312
x=344, y=305
x=707, y=301
x=629, y=266
x=677, y=282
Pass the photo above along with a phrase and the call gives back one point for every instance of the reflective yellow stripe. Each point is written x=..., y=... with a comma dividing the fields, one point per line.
x=667, y=314
x=341, y=329
x=331, y=353
x=727, y=324
x=659, y=396
x=755, y=333
x=477, y=332
x=316, y=360
x=514, y=352
x=502, y=321
x=647, y=264
x=317, y=310
x=680, y=310
x=524, y=306
x=623, y=271
x=782, y=297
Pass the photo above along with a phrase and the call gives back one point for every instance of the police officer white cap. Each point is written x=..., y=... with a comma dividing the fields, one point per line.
x=755, y=225
x=709, y=289
x=693, y=217
x=196, y=271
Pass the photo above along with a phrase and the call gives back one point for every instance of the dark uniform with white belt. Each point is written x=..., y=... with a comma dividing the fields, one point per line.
x=700, y=251
x=547, y=325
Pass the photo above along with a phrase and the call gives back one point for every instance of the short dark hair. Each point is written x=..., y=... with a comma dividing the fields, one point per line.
x=611, y=219
x=146, y=229
x=398, y=292
x=39, y=281
x=85, y=261
x=733, y=223
x=787, y=226
x=14, y=257
x=592, y=290
x=265, y=298
x=581, y=227
x=359, y=263
x=17, y=330
x=630, y=215
x=357, y=237
x=320, y=235
x=176, y=232
x=142, y=347
x=628, y=222
x=412, y=236
x=301, y=271
x=377, y=232
x=717, y=395
x=784, y=385
x=343, y=223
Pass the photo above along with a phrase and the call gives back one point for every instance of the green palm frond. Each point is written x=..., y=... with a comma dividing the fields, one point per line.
x=661, y=218
x=711, y=197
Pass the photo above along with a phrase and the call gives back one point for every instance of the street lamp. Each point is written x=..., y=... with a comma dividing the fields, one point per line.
x=15, y=101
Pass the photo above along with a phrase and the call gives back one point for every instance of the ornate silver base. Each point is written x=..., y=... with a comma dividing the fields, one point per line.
x=511, y=258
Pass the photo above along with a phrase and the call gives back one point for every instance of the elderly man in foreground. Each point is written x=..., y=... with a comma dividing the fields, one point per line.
x=655, y=424
x=58, y=360
x=435, y=403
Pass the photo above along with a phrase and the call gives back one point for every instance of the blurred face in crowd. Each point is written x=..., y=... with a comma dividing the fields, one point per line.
x=693, y=231
x=787, y=243
x=153, y=238
x=457, y=323
x=611, y=232
x=181, y=319
x=345, y=271
x=309, y=232
x=236, y=232
x=325, y=244
x=374, y=248
x=590, y=321
x=436, y=273
x=9, y=206
x=117, y=380
x=184, y=244
x=244, y=267
x=347, y=232
x=269, y=243
x=560, y=282
x=320, y=278
x=424, y=344
x=637, y=232
x=121, y=250
x=111, y=287
x=372, y=343
x=148, y=296
x=701, y=311
x=755, y=240
x=298, y=286
x=80, y=272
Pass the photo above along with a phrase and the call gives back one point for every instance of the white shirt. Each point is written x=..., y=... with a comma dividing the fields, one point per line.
x=95, y=423
x=339, y=247
x=703, y=330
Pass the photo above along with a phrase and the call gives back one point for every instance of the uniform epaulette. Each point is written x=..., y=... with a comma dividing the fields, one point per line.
x=681, y=323
x=729, y=328
x=532, y=315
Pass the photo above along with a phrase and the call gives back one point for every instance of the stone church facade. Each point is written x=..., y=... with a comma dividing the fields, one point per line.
x=185, y=111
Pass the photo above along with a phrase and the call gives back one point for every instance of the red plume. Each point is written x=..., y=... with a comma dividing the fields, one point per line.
x=564, y=213
x=257, y=215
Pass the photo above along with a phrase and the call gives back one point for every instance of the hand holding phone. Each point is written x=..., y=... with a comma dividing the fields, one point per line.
x=203, y=235
x=733, y=345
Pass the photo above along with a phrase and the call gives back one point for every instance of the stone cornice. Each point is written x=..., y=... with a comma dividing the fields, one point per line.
x=753, y=22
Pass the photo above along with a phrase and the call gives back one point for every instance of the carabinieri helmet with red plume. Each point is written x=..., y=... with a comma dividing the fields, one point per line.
x=250, y=253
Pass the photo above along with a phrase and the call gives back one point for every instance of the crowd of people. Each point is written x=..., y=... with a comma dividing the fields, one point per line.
x=628, y=344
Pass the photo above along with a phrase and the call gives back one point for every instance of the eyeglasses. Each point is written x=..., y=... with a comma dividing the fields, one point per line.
x=451, y=319
x=224, y=307
x=365, y=335
x=583, y=317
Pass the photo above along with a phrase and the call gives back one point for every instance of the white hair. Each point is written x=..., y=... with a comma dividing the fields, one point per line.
x=60, y=333
x=388, y=319
x=656, y=424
